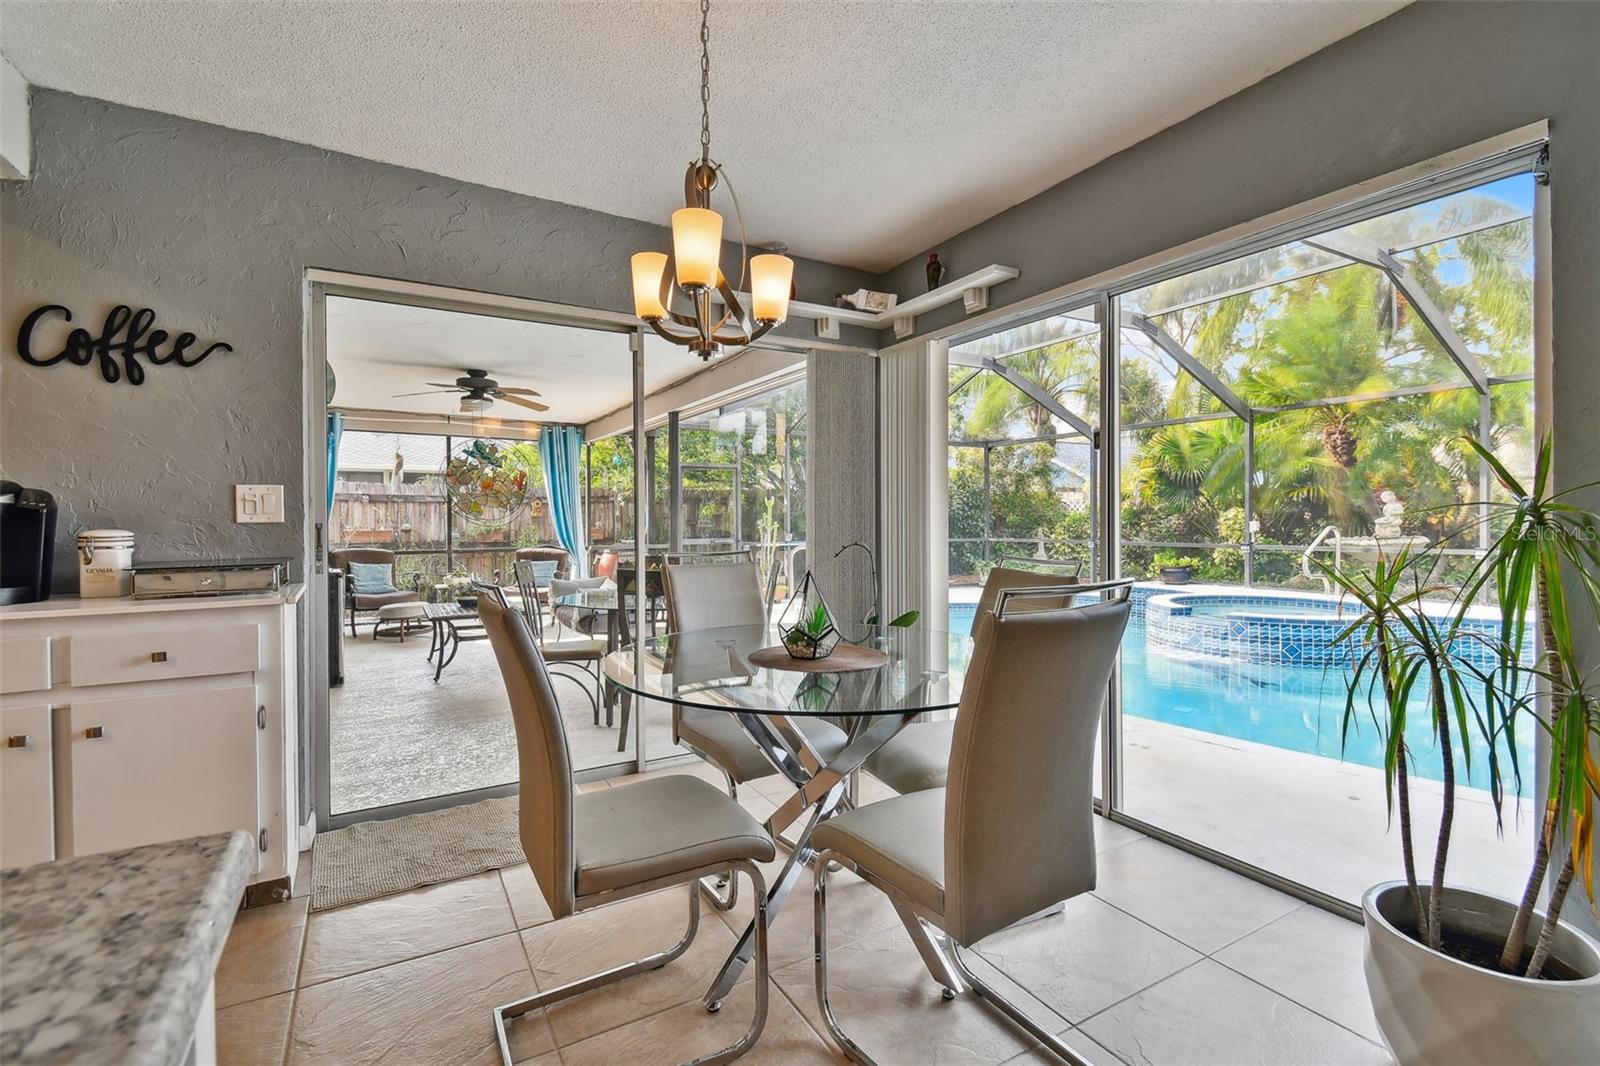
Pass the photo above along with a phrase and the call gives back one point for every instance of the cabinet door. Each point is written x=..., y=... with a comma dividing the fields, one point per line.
x=27, y=803
x=153, y=768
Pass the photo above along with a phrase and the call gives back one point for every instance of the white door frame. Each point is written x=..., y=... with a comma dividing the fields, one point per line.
x=318, y=286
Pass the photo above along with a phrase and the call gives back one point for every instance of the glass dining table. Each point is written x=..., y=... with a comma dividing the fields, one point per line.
x=877, y=681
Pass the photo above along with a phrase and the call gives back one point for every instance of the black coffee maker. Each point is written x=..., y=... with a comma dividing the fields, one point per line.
x=27, y=543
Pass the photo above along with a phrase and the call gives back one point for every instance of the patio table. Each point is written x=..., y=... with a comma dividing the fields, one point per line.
x=920, y=675
x=452, y=624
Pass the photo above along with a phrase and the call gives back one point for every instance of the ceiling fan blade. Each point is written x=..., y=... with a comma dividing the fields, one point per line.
x=446, y=384
x=426, y=392
x=519, y=392
x=532, y=405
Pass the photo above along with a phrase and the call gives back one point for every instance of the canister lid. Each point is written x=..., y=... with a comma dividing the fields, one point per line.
x=105, y=538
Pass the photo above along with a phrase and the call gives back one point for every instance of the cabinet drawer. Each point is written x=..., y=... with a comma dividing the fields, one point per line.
x=158, y=654
x=152, y=768
x=27, y=803
x=25, y=664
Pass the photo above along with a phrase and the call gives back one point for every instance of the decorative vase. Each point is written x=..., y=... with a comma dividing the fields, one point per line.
x=936, y=271
x=1176, y=575
x=1434, y=1008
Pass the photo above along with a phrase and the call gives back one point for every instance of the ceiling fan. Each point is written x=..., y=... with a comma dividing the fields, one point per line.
x=478, y=390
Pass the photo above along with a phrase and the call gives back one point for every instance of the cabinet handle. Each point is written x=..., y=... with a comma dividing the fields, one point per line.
x=94, y=732
x=158, y=656
x=21, y=740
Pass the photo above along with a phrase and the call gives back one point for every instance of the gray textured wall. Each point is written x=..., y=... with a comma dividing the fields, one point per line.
x=214, y=228
x=842, y=476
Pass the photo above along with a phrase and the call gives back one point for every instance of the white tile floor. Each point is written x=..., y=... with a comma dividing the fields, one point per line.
x=1169, y=960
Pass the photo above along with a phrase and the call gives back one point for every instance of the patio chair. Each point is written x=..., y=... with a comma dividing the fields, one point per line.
x=918, y=757
x=583, y=654
x=577, y=619
x=710, y=596
x=341, y=558
x=590, y=849
x=1013, y=832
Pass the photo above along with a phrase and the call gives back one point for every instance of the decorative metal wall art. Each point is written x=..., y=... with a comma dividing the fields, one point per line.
x=124, y=339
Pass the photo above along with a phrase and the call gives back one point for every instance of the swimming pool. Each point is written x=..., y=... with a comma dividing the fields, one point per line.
x=1297, y=705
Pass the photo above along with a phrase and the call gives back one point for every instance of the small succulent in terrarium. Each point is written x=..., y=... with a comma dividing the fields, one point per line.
x=809, y=633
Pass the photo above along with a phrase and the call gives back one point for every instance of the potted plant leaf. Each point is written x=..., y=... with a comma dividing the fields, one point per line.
x=1458, y=976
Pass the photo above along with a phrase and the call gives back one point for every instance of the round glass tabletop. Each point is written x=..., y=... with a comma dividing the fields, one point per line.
x=920, y=670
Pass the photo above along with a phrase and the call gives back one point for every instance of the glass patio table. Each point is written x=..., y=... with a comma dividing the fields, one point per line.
x=872, y=686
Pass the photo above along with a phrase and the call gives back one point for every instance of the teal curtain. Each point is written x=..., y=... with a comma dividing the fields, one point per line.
x=560, y=449
x=335, y=431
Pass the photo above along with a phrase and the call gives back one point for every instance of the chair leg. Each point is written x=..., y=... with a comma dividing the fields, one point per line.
x=1057, y=1046
x=504, y=1014
x=851, y=1049
x=935, y=955
x=583, y=687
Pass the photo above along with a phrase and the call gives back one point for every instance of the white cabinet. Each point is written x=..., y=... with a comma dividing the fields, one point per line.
x=149, y=721
x=27, y=820
x=136, y=767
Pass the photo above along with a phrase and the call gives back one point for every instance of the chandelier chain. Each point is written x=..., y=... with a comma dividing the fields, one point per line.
x=705, y=81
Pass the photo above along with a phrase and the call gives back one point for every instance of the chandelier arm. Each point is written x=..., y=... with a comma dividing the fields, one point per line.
x=730, y=301
x=655, y=324
x=749, y=337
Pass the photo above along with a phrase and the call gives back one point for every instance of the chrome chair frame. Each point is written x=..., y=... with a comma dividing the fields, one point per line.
x=504, y=1014
x=940, y=952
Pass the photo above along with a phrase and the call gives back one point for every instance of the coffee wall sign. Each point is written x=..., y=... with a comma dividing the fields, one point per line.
x=124, y=339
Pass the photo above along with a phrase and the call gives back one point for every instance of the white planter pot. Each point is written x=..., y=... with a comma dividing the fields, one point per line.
x=1433, y=1009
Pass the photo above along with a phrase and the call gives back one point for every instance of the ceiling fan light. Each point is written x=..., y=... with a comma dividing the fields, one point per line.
x=469, y=404
x=771, y=281
x=647, y=270
x=696, y=245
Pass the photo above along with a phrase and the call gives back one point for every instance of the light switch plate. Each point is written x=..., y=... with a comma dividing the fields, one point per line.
x=258, y=503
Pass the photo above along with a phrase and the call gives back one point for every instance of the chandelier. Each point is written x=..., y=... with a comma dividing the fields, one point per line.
x=693, y=266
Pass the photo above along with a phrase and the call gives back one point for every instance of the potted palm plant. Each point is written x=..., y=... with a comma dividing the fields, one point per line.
x=1454, y=975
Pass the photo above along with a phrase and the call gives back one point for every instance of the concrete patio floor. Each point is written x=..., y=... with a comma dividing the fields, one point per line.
x=1314, y=820
x=396, y=735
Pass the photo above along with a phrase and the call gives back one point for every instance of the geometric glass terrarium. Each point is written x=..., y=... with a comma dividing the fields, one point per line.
x=807, y=624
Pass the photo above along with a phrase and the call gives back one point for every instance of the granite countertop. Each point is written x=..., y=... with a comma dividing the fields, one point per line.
x=108, y=958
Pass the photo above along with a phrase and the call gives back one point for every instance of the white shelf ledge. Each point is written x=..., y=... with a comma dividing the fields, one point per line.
x=971, y=289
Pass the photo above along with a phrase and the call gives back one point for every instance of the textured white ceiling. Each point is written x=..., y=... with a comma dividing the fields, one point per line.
x=378, y=350
x=858, y=133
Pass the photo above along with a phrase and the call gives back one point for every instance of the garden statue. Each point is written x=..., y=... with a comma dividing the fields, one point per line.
x=1388, y=526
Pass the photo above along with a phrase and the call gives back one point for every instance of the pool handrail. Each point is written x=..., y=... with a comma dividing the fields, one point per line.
x=1338, y=556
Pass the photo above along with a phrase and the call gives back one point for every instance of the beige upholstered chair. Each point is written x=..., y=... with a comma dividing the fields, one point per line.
x=918, y=756
x=710, y=596
x=612, y=844
x=1012, y=833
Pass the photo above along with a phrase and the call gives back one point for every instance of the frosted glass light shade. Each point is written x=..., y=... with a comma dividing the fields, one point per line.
x=696, y=244
x=647, y=270
x=771, y=279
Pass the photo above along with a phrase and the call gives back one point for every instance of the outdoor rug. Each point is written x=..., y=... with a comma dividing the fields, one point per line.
x=372, y=859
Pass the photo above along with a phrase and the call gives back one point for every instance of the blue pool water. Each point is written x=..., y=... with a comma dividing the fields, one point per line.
x=1298, y=708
